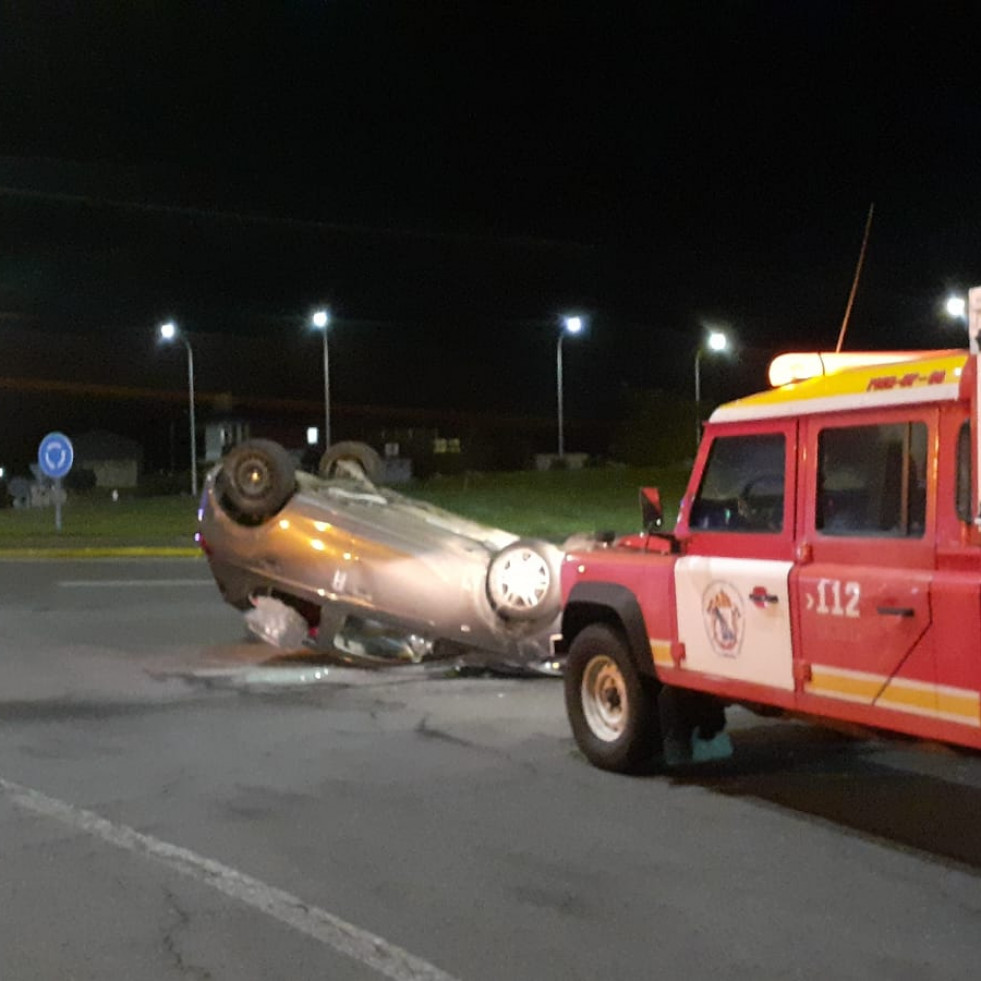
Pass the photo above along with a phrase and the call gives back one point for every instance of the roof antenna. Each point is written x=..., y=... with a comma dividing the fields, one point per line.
x=858, y=272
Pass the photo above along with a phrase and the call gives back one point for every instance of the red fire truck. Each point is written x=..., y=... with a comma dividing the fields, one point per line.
x=826, y=563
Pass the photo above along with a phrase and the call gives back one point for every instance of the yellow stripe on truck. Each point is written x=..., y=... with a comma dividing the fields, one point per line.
x=900, y=694
x=661, y=652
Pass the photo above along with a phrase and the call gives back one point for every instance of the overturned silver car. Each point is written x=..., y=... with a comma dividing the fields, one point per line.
x=365, y=575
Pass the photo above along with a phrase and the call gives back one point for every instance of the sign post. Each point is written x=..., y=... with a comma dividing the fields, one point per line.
x=55, y=456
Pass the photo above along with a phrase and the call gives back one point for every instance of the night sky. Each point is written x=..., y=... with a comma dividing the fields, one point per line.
x=450, y=177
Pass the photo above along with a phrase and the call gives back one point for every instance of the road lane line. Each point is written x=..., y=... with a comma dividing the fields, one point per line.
x=119, y=583
x=360, y=945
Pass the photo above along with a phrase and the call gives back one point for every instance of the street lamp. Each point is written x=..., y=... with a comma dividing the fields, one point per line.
x=169, y=332
x=967, y=309
x=956, y=306
x=567, y=325
x=715, y=342
x=321, y=321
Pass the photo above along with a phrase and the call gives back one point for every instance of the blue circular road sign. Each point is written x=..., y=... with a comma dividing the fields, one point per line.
x=55, y=455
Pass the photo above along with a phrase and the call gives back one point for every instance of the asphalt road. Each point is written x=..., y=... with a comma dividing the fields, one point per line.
x=173, y=806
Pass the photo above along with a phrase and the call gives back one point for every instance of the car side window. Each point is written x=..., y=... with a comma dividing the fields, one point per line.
x=742, y=489
x=872, y=480
x=964, y=506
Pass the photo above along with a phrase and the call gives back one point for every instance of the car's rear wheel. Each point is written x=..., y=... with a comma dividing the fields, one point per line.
x=257, y=478
x=522, y=583
x=612, y=709
x=351, y=459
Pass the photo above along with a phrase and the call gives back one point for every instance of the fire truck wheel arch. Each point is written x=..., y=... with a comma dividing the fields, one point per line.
x=613, y=604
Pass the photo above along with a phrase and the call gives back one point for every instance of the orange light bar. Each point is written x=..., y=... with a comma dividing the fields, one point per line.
x=801, y=365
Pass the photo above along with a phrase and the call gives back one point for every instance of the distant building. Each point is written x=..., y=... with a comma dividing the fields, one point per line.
x=116, y=461
x=568, y=461
x=220, y=435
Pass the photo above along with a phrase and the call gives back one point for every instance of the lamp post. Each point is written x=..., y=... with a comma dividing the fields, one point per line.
x=715, y=342
x=321, y=321
x=568, y=325
x=169, y=332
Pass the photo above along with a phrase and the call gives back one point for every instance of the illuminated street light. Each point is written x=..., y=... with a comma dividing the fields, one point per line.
x=967, y=309
x=715, y=342
x=321, y=321
x=168, y=332
x=956, y=306
x=568, y=325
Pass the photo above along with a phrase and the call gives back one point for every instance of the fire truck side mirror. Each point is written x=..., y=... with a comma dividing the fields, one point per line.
x=651, y=512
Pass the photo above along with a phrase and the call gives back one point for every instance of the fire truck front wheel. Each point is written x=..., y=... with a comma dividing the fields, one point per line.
x=612, y=709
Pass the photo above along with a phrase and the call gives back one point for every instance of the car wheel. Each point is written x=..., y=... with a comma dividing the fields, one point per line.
x=257, y=478
x=612, y=709
x=522, y=583
x=351, y=459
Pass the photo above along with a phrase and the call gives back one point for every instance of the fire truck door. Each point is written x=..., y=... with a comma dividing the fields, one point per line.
x=864, y=598
x=734, y=618
x=732, y=581
x=858, y=624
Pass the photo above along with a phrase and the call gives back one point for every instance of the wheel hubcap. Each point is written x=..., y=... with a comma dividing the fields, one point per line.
x=253, y=478
x=604, y=698
x=522, y=581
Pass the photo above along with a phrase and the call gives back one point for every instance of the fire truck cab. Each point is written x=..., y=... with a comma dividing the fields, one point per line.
x=826, y=563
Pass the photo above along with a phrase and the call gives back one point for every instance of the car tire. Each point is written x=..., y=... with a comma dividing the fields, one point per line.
x=611, y=708
x=257, y=478
x=522, y=584
x=349, y=459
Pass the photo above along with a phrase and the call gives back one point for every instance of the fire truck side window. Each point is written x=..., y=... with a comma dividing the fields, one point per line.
x=964, y=473
x=872, y=480
x=743, y=486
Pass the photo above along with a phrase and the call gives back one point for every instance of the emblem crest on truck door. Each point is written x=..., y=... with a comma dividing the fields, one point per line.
x=723, y=614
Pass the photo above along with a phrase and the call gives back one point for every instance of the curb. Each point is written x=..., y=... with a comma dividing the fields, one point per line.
x=104, y=552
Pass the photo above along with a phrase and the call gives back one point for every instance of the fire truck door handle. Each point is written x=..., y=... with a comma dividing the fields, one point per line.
x=895, y=611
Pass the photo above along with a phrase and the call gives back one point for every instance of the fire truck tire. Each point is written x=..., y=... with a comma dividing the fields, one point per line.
x=611, y=708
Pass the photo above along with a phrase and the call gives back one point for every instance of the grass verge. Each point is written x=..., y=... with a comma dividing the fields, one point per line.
x=556, y=504
x=551, y=505
x=95, y=521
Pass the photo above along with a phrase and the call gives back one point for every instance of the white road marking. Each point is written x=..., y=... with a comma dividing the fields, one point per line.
x=360, y=945
x=118, y=583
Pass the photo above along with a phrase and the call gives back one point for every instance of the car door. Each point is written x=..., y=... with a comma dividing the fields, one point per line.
x=732, y=582
x=864, y=593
